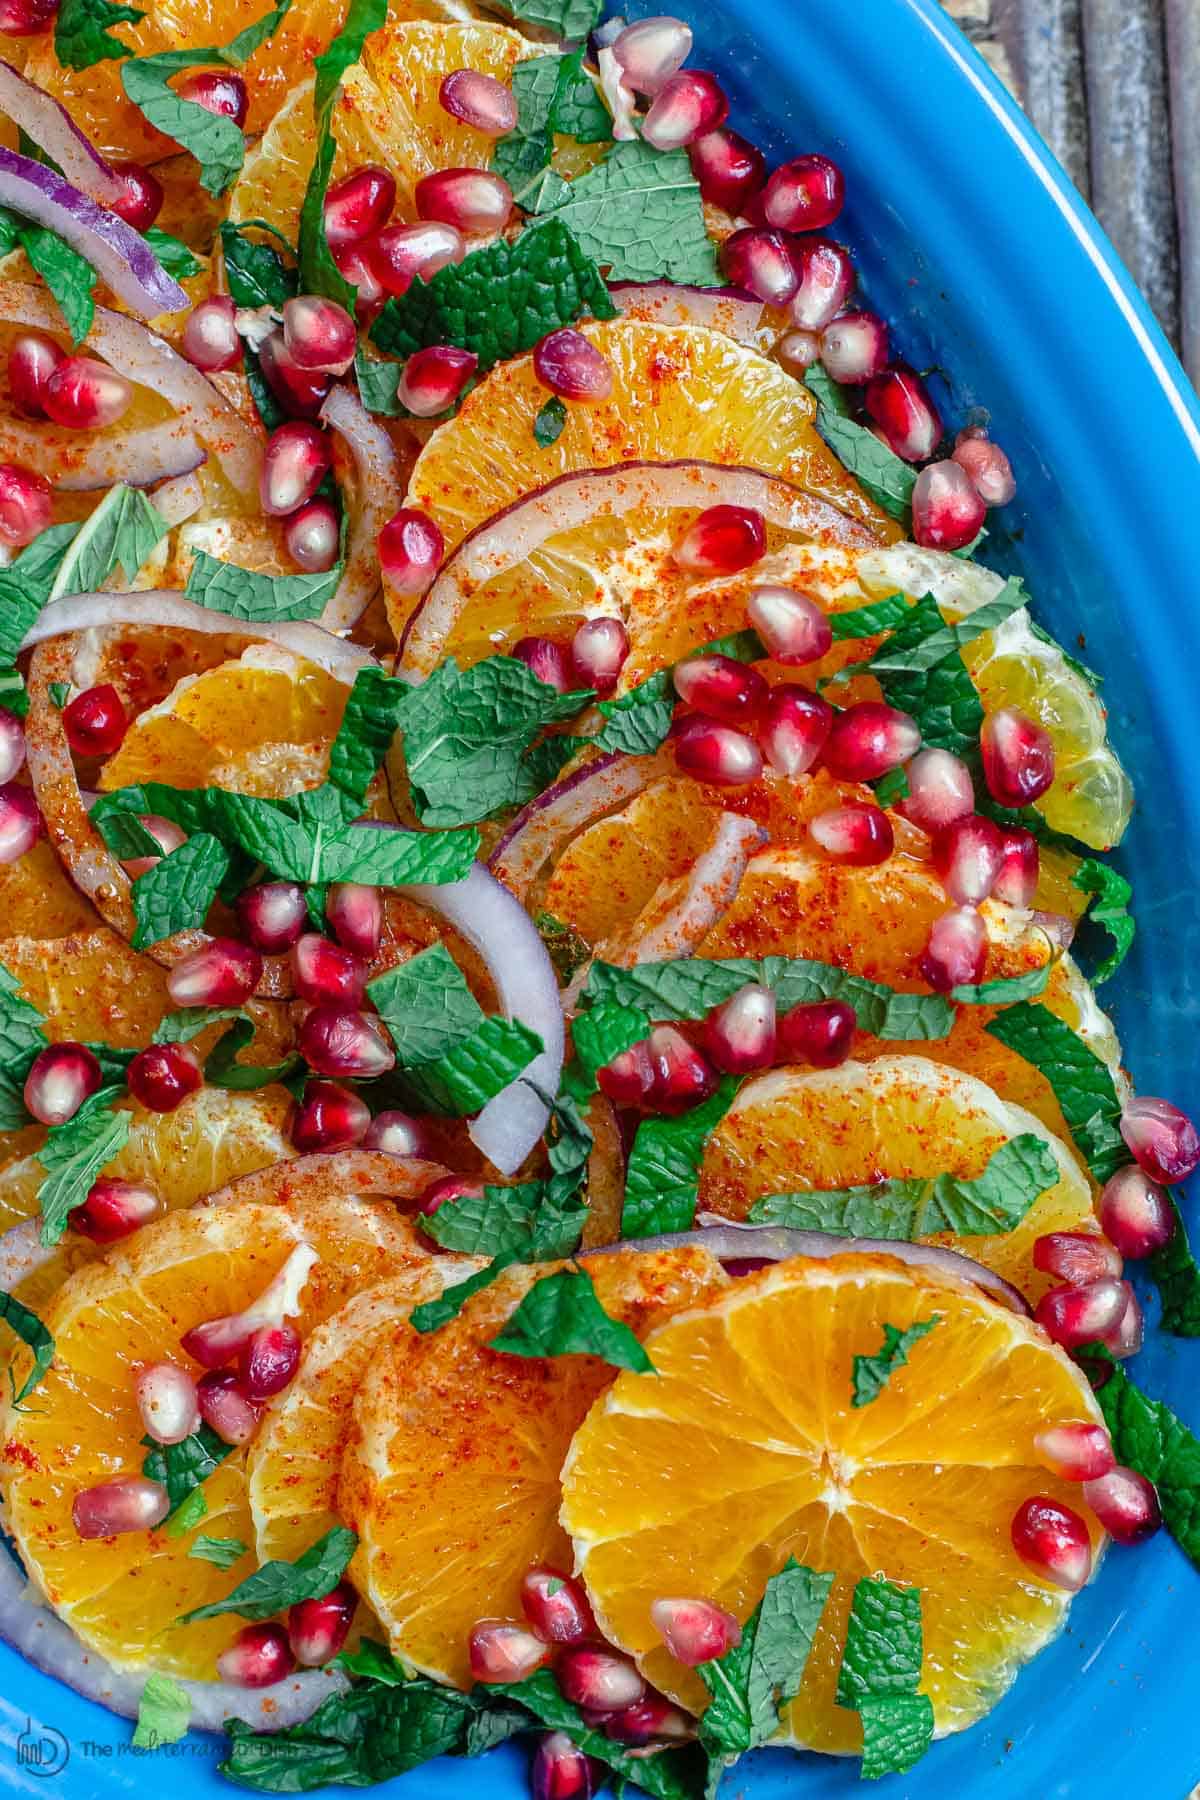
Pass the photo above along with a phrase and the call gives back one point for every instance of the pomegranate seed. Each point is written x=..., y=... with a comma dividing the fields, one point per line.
x=95, y=721
x=258, y=1657
x=214, y=1341
x=649, y=1720
x=398, y=1134
x=115, y=1208
x=130, y=1503
x=1053, y=1541
x=854, y=347
x=12, y=745
x=819, y=1033
x=20, y=822
x=858, y=835
x=687, y=106
x=1018, y=757
x=1020, y=868
x=967, y=857
x=317, y=1629
x=547, y=659
x=295, y=464
x=740, y=1035
x=358, y=204
x=599, y=1679
x=651, y=51
x=162, y=1076
x=32, y=359
x=556, y=1607
x=762, y=262
x=226, y=1408
x=940, y=790
x=433, y=379
x=947, y=512
x=166, y=834
x=59, y=1081
x=269, y=1361
x=682, y=1077
x=499, y=1650
x=403, y=252
x=722, y=541
x=1162, y=1139
x=210, y=338
x=472, y=200
x=900, y=405
x=629, y=1077
x=142, y=200
x=411, y=549
x=797, y=351
x=1078, y=1451
x=337, y=1040
x=356, y=914
x=805, y=194
x=598, y=653
x=356, y=265
x=569, y=365
x=166, y=1399
x=956, y=951
x=319, y=334
x=325, y=972
x=1076, y=1257
x=1078, y=1315
x=826, y=282
x=301, y=393
x=560, y=1770
x=695, y=1631
x=722, y=687
x=27, y=18
x=987, y=466
x=795, y=728
x=790, y=623
x=868, y=739
x=1125, y=1337
x=273, y=915
x=728, y=168
x=446, y=1191
x=25, y=505
x=218, y=91
x=717, y=753
x=329, y=1117
x=1125, y=1503
x=480, y=101
x=313, y=537
x=1135, y=1213
x=223, y=972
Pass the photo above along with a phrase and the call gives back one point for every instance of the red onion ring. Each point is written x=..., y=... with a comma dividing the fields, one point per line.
x=571, y=804
x=680, y=916
x=508, y=538
x=326, y=1174
x=78, y=461
x=729, y=310
x=178, y=498
x=378, y=483
x=52, y=129
x=147, y=359
x=120, y=256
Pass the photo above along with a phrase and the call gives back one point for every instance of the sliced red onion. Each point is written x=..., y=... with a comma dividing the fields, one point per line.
x=78, y=461
x=572, y=803
x=729, y=310
x=22, y=1253
x=327, y=1174
x=621, y=100
x=178, y=498
x=50, y=126
x=510, y=537
x=147, y=359
x=683, y=913
x=119, y=254
x=377, y=483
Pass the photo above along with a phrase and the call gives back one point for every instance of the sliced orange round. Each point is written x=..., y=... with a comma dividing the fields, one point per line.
x=745, y=1448
x=37, y=899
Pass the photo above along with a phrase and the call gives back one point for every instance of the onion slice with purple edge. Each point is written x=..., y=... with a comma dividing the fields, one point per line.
x=120, y=255
x=48, y=124
x=377, y=483
x=729, y=310
x=576, y=801
x=148, y=360
x=509, y=538
x=681, y=913
x=80, y=461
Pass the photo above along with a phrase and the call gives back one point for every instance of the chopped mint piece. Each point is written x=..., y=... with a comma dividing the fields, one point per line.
x=379, y=385
x=505, y=1221
x=548, y=426
x=830, y=394
x=872, y=1373
x=60, y=693
x=667, y=1775
x=245, y=594
x=639, y=215
x=73, y=1156
x=638, y=722
x=222, y=1068
x=561, y=1315
x=883, y=476
x=256, y=273
x=26, y=583
x=221, y=1552
x=566, y=948
x=319, y=273
x=1147, y=1436
x=883, y=1643
x=373, y=1661
x=1006, y=990
x=905, y=653
x=367, y=729
x=426, y=1005
x=868, y=621
x=279, y=1584
x=31, y=1331
x=172, y=253
x=897, y=1731
x=569, y=19
x=466, y=1077
x=1083, y=1085
x=663, y=1177
x=891, y=787
x=553, y=95
x=1111, y=910
x=1174, y=1272
x=189, y=1515
x=604, y=1031
x=69, y=278
x=182, y=1026
x=82, y=35
x=164, y=1711
x=178, y=891
x=431, y=1315
x=302, y=839
x=121, y=534
x=184, y=1466
x=752, y=1682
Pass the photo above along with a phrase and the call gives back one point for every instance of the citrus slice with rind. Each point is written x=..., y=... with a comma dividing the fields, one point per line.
x=451, y=1474
x=743, y=1449
x=37, y=900
x=900, y=1118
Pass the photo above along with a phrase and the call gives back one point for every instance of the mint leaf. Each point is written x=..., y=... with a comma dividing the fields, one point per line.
x=1174, y=1272
x=569, y=19
x=164, y=1713
x=278, y=1584
x=244, y=594
x=883, y=476
x=358, y=1739
x=222, y=1553
x=689, y=988
x=942, y=699
x=499, y=301
x=519, y=1221
x=897, y=1731
x=638, y=722
x=751, y=1682
x=222, y=1068
x=367, y=729
x=184, y=1466
x=426, y=1005
x=189, y=1515
x=465, y=1078
x=122, y=533
x=256, y=273
x=373, y=1661
x=561, y=1315
x=182, y=1026
x=868, y=621
x=883, y=1643
x=663, y=1177
x=566, y=949
x=553, y=95
x=1111, y=910
x=178, y=891
x=82, y=36
x=667, y=1775
x=1148, y=1437
x=871, y=1374
x=67, y=275
x=21, y=1039
x=297, y=844
x=431, y=1315
x=172, y=253
x=604, y=1031
x=25, y=586
x=33, y=1333
x=379, y=385
x=1082, y=1084
x=907, y=653
x=1006, y=990
x=73, y=1156
x=639, y=215
x=213, y=139
x=548, y=426
x=318, y=273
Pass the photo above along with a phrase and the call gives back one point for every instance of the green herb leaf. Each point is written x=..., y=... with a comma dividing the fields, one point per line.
x=519, y=1221
x=1148, y=1437
x=373, y=1661
x=60, y=693
x=379, y=385
x=189, y=1515
x=570, y=19
x=69, y=278
x=172, y=253
x=499, y=301
x=638, y=722
x=1176, y=1275
x=302, y=840
x=73, y=1156
x=256, y=273
x=751, y=1682
x=278, y=1584
x=1111, y=910
x=1006, y=990
x=25, y=585
x=222, y=1068
x=883, y=476
x=604, y=1031
x=639, y=215
x=561, y=1315
x=182, y=1026
x=426, y=1005
x=82, y=36
x=553, y=95
x=668, y=1775
x=871, y=1374
x=319, y=274
x=184, y=1466
x=221, y=1552
x=663, y=1178
x=466, y=1077
x=868, y=621
x=245, y=594
x=12, y=691
x=431, y=1315
x=548, y=426
x=897, y=1731
x=566, y=949
x=178, y=891
x=883, y=1643
x=910, y=654
x=33, y=1333
x=367, y=729
x=21, y=1039
x=942, y=700
x=122, y=533
x=1083, y=1085
x=164, y=1713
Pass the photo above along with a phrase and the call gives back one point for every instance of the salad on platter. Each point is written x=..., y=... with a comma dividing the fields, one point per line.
x=562, y=1179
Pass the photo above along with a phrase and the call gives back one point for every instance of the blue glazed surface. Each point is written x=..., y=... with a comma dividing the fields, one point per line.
x=972, y=242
